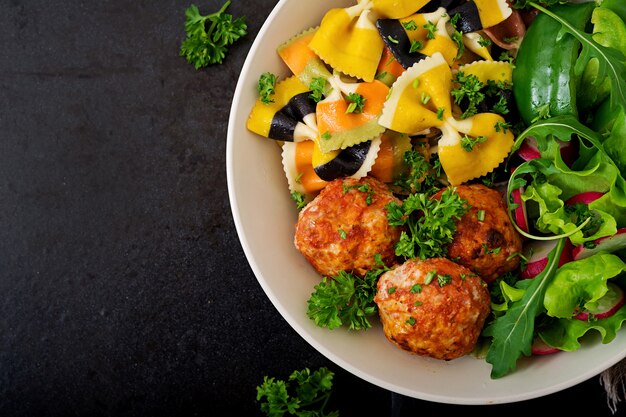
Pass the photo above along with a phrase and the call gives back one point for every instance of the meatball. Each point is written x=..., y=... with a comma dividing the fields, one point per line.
x=433, y=307
x=345, y=226
x=485, y=240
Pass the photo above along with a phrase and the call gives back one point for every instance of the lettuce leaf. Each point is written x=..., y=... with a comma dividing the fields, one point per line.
x=565, y=334
x=552, y=181
x=580, y=283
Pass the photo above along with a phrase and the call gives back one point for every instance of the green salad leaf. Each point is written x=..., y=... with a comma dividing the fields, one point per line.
x=512, y=333
x=581, y=283
x=611, y=62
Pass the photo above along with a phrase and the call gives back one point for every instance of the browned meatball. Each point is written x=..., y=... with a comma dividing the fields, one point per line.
x=346, y=225
x=486, y=245
x=441, y=319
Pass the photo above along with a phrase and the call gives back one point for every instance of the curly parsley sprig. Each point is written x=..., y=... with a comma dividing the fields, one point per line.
x=345, y=299
x=203, y=46
x=309, y=399
x=431, y=223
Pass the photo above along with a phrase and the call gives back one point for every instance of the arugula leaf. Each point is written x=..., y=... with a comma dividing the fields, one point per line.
x=610, y=62
x=311, y=394
x=431, y=223
x=345, y=299
x=513, y=332
x=204, y=47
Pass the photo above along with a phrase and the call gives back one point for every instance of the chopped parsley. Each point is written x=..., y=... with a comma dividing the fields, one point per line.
x=325, y=135
x=410, y=321
x=266, y=87
x=420, y=175
x=431, y=28
x=298, y=197
x=410, y=25
x=317, y=87
x=416, y=289
x=468, y=143
x=357, y=102
x=415, y=46
x=501, y=126
x=342, y=233
x=444, y=279
x=468, y=87
x=484, y=42
x=429, y=276
x=488, y=251
x=365, y=188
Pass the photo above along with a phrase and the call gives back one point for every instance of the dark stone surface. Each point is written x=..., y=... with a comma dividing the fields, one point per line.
x=125, y=291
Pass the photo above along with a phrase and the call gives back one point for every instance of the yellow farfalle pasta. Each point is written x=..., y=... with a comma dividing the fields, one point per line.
x=289, y=117
x=492, y=12
x=420, y=98
x=462, y=163
x=485, y=71
x=396, y=9
x=348, y=41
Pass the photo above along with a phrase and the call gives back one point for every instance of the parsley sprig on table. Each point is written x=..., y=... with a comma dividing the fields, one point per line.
x=203, y=46
x=345, y=299
x=309, y=399
x=431, y=223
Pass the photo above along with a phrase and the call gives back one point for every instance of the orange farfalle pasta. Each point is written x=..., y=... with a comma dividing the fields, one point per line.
x=340, y=128
x=389, y=164
x=301, y=60
x=301, y=176
x=348, y=41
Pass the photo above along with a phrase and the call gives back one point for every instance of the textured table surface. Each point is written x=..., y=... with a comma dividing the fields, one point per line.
x=125, y=291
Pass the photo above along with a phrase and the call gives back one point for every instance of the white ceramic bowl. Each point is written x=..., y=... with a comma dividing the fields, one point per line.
x=264, y=216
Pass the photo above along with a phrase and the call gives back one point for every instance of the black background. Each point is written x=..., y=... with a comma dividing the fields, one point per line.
x=125, y=291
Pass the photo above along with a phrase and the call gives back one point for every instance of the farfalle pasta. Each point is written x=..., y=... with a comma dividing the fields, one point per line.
x=301, y=60
x=413, y=107
x=290, y=116
x=348, y=41
x=421, y=100
x=384, y=74
x=340, y=128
